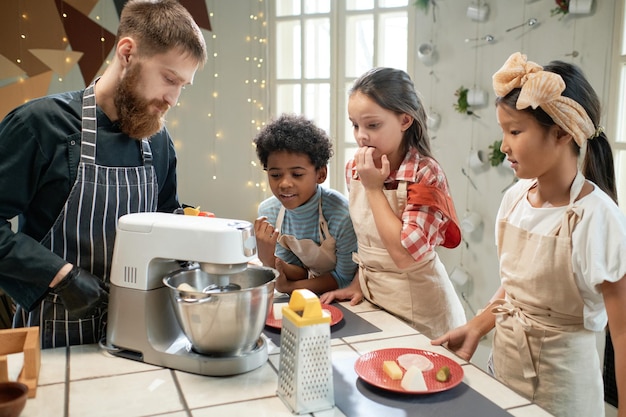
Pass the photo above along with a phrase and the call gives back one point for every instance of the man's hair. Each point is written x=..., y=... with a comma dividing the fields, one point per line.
x=159, y=26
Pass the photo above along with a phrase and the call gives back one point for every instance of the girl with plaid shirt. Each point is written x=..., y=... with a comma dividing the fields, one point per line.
x=400, y=207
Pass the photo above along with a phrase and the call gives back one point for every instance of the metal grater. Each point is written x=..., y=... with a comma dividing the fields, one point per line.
x=305, y=373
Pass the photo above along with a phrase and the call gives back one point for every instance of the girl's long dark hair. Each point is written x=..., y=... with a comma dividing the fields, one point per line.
x=597, y=164
x=392, y=89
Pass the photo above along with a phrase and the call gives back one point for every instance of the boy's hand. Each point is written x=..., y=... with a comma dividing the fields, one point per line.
x=266, y=238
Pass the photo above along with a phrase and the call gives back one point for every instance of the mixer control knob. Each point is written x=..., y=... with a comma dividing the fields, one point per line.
x=247, y=231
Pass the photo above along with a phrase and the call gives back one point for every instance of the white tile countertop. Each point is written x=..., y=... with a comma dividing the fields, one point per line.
x=88, y=381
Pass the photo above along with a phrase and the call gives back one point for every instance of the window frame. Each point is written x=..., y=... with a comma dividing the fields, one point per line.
x=339, y=82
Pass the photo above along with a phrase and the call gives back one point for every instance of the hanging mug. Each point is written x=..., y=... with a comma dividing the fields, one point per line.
x=433, y=120
x=459, y=276
x=426, y=53
x=477, y=97
x=471, y=222
x=476, y=159
x=478, y=12
x=580, y=6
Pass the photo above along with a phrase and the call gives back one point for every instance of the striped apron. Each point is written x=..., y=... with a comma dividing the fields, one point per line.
x=84, y=232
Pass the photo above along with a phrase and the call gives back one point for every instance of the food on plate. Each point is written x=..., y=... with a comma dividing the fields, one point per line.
x=443, y=374
x=278, y=310
x=392, y=369
x=186, y=287
x=413, y=359
x=413, y=380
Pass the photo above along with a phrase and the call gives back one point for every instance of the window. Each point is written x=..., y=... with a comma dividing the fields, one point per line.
x=619, y=100
x=315, y=68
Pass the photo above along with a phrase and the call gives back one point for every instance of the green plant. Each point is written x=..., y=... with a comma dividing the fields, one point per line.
x=496, y=157
x=422, y=5
x=461, y=104
x=562, y=7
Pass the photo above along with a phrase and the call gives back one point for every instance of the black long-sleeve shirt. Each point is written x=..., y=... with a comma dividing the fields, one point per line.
x=39, y=155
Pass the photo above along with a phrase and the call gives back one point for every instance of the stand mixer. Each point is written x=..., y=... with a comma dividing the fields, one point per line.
x=142, y=323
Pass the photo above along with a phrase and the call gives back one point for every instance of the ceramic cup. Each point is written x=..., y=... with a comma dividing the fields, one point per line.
x=478, y=12
x=477, y=97
x=580, y=6
x=459, y=276
x=426, y=53
x=471, y=222
x=476, y=159
x=433, y=120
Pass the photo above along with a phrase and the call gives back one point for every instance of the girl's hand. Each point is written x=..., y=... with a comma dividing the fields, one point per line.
x=266, y=238
x=352, y=292
x=371, y=177
x=463, y=341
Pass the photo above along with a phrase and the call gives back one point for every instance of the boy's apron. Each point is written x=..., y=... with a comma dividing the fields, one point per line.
x=84, y=232
x=317, y=259
x=541, y=348
x=421, y=294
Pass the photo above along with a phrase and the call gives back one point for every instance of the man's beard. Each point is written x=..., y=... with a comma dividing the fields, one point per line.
x=135, y=114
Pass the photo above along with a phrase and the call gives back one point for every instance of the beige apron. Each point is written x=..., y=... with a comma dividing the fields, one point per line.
x=421, y=294
x=541, y=348
x=317, y=259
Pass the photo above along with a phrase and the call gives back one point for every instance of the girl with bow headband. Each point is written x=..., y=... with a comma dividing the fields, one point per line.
x=561, y=241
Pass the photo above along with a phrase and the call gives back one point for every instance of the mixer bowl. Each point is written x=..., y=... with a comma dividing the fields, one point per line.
x=222, y=315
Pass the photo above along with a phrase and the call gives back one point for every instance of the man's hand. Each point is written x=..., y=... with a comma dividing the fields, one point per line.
x=81, y=293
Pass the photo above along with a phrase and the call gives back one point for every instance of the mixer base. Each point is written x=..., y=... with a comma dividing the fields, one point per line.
x=179, y=355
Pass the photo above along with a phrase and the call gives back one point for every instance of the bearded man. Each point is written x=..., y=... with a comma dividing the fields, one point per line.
x=71, y=164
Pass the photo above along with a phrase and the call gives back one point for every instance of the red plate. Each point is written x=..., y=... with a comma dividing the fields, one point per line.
x=370, y=368
x=335, y=316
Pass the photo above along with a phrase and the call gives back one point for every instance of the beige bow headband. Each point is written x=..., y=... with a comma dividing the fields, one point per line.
x=543, y=88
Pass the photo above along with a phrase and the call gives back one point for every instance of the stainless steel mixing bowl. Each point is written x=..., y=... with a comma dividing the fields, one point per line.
x=222, y=314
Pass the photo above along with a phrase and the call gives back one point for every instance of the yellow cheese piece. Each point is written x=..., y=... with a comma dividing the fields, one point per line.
x=392, y=369
x=413, y=380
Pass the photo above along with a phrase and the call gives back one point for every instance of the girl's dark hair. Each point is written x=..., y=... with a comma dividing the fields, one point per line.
x=295, y=134
x=393, y=89
x=598, y=162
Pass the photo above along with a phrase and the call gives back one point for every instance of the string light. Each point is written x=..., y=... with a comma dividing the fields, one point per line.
x=254, y=56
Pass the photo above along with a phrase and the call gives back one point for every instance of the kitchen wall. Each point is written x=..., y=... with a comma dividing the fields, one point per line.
x=219, y=115
x=471, y=64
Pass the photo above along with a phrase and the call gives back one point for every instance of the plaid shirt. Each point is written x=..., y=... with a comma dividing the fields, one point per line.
x=423, y=227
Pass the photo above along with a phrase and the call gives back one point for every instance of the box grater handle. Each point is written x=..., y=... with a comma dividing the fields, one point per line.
x=305, y=309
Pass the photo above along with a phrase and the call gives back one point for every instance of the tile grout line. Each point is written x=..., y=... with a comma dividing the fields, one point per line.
x=180, y=393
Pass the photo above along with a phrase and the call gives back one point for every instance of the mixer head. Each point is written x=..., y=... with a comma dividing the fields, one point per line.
x=223, y=269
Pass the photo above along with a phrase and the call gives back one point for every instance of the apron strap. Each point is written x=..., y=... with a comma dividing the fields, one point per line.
x=520, y=326
x=279, y=218
x=323, y=226
x=526, y=318
x=573, y=212
x=89, y=126
x=401, y=195
x=146, y=153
